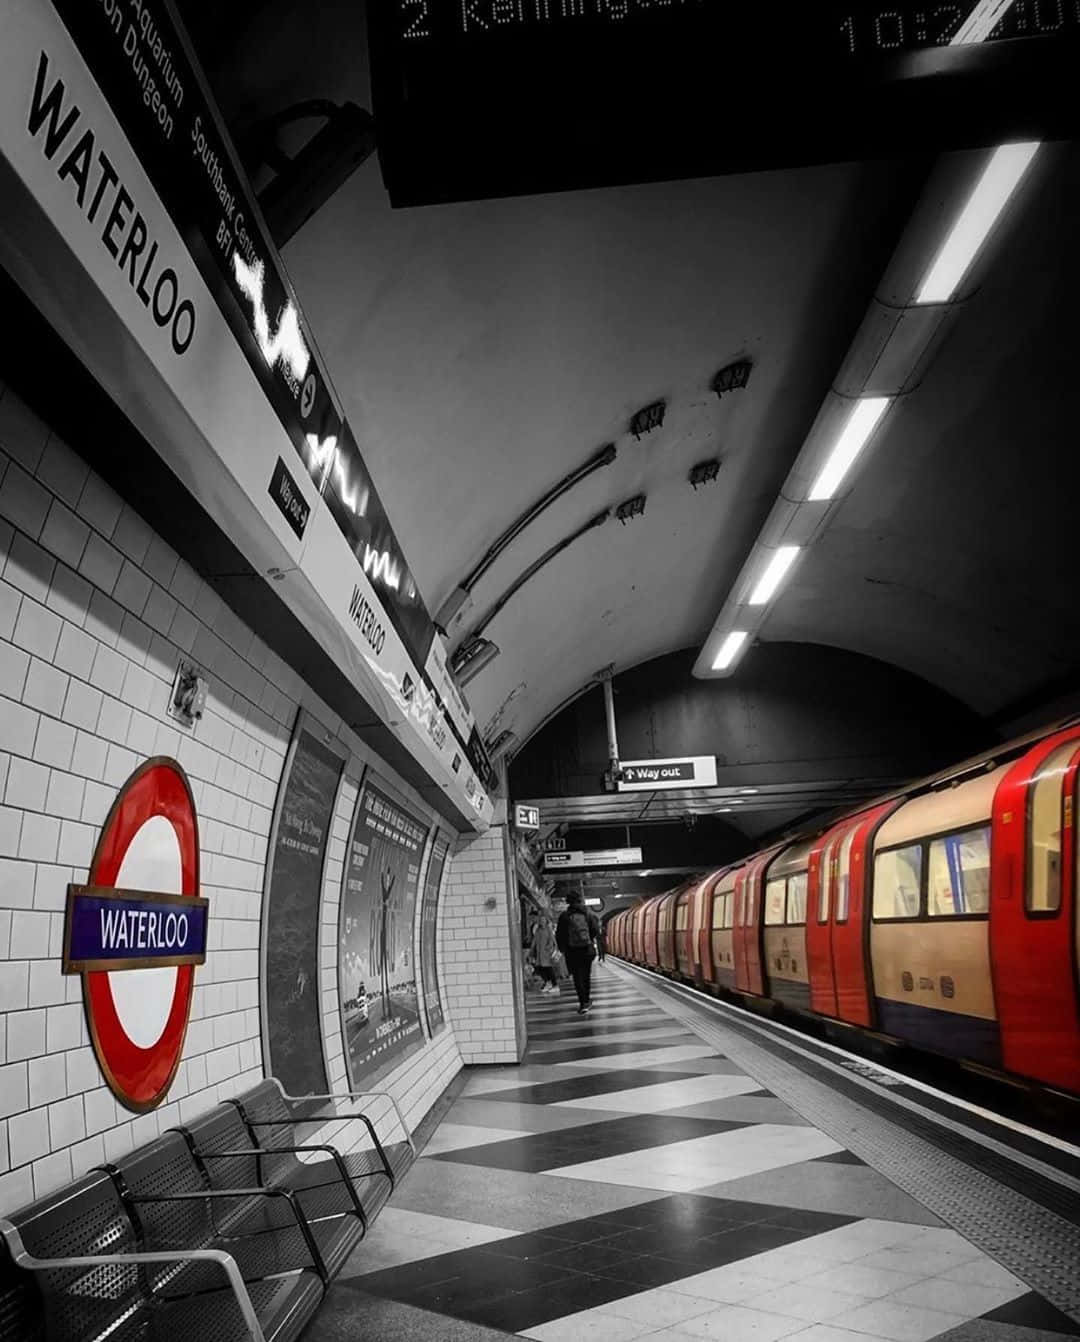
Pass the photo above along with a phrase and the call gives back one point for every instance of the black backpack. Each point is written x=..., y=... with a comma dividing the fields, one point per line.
x=578, y=932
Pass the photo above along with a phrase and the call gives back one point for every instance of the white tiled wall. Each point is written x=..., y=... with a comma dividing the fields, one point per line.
x=95, y=612
x=476, y=945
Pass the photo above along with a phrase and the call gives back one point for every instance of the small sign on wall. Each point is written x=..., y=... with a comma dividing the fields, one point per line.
x=137, y=929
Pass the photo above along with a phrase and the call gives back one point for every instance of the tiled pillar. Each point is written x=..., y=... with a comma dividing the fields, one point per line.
x=478, y=940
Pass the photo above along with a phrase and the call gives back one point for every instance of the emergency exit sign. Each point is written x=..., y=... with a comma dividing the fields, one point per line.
x=527, y=817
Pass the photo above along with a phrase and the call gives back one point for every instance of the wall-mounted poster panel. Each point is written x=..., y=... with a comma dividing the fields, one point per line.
x=429, y=912
x=380, y=1013
x=293, y=1041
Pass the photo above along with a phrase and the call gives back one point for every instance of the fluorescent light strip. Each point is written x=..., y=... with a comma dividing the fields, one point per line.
x=1003, y=171
x=853, y=437
x=771, y=579
x=728, y=649
x=981, y=22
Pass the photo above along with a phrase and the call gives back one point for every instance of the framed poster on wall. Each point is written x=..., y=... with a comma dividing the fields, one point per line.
x=377, y=987
x=292, y=1041
x=429, y=912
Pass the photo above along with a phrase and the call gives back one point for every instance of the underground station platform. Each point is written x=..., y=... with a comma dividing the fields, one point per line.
x=672, y=1167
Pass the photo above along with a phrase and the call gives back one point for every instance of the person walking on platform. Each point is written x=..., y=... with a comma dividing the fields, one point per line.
x=543, y=954
x=576, y=932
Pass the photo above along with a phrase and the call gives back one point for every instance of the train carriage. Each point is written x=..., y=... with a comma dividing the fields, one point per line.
x=945, y=918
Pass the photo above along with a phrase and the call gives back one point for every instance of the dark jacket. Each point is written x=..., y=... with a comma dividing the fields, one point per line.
x=562, y=928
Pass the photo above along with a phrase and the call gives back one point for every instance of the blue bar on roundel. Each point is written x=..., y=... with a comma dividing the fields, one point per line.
x=132, y=929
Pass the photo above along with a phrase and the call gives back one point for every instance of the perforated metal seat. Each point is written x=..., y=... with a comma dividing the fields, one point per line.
x=276, y=1124
x=223, y=1144
x=88, y=1275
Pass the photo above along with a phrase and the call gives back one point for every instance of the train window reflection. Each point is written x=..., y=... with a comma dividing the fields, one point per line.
x=958, y=876
x=796, y=898
x=897, y=882
x=825, y=878
x=774, y=903
x=843, y=878
x=1044, y=832
x=680, y=915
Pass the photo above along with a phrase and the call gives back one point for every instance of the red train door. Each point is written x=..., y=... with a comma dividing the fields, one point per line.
x=852, y=867
x=1034, y=937
x=748, y=971
x=819, y=955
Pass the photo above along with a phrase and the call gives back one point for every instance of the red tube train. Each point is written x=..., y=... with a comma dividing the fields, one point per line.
x=944, y=917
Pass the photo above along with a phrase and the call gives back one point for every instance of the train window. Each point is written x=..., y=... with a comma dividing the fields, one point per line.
x=1043, y=893
x=681, y=914
x=897, y=882
x=825, y=876
x=718, y=910
x=958, y=875
x=774, y=902
x=729, y=910
x=796, y=898
x=842, y=884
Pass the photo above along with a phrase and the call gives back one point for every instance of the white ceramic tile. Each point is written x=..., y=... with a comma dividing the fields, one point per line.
x=659, y=1308
x=457, y=1136
x=729, y=1285
x=957, y=1297
x=805, y=1300
x=587, y=1326
x=870, y=1282
x=444, y=1229
x=826, y=1332
x=901, y=1323
x=672, y=1094
x=620, y=1062
x=682, y=1166
x=983, y=1272
x=736, y=1323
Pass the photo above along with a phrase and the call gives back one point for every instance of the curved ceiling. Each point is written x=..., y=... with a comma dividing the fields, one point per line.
x=483, y=350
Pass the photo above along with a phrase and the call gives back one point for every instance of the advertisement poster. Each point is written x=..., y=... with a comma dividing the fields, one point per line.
x=429, y=912
x=298, y=848
x=380, y=1010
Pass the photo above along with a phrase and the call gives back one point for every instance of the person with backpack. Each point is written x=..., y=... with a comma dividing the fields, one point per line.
x=575, y=933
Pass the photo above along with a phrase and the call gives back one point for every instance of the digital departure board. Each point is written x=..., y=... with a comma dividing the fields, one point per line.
x=492, y=97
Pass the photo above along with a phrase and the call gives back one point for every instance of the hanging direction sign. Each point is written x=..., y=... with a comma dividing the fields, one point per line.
x=658, y=775
x=598, y=857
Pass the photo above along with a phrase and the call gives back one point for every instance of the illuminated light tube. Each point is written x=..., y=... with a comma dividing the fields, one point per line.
x=981, y=22
x=861, y=424
x=286, y=344
x=999, y=179
x=729, y=649
x=770, y=580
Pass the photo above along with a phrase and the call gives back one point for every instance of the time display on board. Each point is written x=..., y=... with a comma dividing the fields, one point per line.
x=851, y=30
x=874, y=30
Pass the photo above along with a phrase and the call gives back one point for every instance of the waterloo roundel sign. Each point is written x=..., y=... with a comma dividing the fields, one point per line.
x=137, y=930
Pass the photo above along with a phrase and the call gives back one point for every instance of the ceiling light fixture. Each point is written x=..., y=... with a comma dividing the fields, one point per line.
x=729, y=649
x=648, y=418
x=999, y=179
x=732, y=377
x=631, y=508
x=981, y=22
x=854, y=436
x=770, y=580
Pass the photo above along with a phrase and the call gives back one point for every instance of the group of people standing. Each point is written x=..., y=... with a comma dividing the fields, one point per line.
x=577, y=938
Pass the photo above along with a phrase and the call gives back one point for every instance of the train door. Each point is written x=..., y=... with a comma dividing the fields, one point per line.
x=684, y=910
x=748, y=969
x=1034, y=933
x=850, y=880
x=819, y=955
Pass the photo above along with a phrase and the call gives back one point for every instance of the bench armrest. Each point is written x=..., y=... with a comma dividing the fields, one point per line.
x=286, y=1194
x=352, y=1095
x=227, y=1264
x=331, y=1151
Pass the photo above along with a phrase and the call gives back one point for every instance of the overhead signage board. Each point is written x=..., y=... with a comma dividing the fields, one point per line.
x=867, y=77
x=660, y=775
x=140, y=910
x=150, y=220
x=598, y=857
x=141, y=59
x=526, y=817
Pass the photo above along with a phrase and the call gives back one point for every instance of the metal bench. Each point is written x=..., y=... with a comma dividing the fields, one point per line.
x=276, y=1120
x=221, y=1144
x=173, y=1203
x=76, y=1268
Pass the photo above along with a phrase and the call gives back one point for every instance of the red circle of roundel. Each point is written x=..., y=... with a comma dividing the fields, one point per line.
x=140, y=1077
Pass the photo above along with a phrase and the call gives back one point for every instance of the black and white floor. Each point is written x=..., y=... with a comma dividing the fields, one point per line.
x=629, y=1181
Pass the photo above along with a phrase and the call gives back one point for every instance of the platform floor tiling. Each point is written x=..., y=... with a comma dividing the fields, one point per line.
x=629, y=1181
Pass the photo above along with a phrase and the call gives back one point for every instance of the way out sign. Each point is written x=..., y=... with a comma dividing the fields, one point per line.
x=137, y=929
